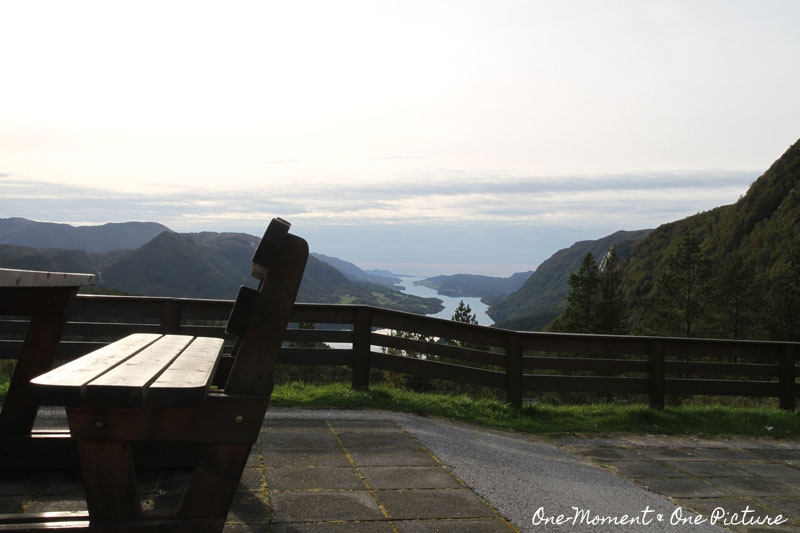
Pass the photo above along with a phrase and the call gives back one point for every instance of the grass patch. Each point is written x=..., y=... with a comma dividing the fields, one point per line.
x=707, y=420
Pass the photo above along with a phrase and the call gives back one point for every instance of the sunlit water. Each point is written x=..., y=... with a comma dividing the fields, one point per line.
x=450, y=303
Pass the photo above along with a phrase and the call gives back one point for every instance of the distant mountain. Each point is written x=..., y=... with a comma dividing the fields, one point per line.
x=384, y=273
x=353, y=273
x=93, y=239
x=204, y=265
x=48, y=259
x=542, y=297
x=175, y=264
x=488, y=288
x=326, y=284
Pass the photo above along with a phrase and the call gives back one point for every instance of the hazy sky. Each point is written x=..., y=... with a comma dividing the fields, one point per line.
x=460, y=135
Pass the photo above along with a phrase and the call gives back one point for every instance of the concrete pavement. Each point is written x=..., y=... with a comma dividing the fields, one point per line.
x=339, y=470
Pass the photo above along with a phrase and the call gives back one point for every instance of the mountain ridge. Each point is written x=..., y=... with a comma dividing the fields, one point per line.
x=92, y=239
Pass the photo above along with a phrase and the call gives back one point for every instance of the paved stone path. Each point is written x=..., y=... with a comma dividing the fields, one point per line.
x=333, y=470
x=704, y=475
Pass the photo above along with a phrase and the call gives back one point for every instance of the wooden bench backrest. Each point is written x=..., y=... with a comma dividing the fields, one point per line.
x=260, y=316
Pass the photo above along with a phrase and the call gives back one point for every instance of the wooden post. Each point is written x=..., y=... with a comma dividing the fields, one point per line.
x=170, y=317
x=362, y=331
x=514, y=370
x=786, y=378
x=656, y=378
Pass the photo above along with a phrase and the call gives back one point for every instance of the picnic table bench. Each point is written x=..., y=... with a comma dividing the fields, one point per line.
x=150, y=388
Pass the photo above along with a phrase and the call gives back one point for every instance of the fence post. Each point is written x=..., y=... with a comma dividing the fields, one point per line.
x=655, y=377
x=786, y=378
x=514, y=370
x=170, y=317
x=362, y=330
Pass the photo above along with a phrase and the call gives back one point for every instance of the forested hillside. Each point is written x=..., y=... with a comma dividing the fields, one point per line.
x=751, y=241
x=542, y=297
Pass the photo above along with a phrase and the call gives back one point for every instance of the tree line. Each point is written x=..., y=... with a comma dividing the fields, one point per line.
x=691, y=298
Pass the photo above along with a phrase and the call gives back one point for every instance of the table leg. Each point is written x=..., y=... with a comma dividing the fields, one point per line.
x=38, y=353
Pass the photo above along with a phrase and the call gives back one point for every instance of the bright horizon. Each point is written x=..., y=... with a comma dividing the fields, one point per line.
x=464, y=136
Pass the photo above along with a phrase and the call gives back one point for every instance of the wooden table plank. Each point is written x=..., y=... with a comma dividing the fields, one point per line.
x=35, y=278
x=127, y=381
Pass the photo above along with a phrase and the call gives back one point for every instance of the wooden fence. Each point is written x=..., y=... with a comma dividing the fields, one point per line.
x=518, y=363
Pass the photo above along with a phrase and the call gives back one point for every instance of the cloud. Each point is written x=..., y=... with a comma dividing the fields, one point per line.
x=446, y=219
x=395, y=157
x=639, y=200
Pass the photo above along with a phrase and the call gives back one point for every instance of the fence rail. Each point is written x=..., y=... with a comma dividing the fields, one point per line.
x=518, y=363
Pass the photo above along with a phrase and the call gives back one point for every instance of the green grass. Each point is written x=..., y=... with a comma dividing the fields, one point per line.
x=551, y=420
x=544, y=419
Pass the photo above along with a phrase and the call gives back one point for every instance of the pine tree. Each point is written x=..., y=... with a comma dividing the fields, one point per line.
x=682, y=289
x=737, y=299
x=464, y=314
x=581, y=314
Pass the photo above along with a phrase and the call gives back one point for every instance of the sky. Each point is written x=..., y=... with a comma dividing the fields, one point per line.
x=427, y=137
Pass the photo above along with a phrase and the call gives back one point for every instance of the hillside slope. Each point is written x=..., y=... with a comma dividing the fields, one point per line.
x=353, y=273
x=762, y=227
x=542, y=297
x=174, y=264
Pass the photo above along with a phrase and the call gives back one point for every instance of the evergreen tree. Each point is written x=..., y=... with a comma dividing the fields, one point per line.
x=464, y=314
x=682, y=290
x=581, y=314
x=611, y=304
x=736, y=302
x=785, y=309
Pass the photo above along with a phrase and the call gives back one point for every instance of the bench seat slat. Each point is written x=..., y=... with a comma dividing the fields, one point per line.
x=64, y=384
x=188, y=378
x=127, y=381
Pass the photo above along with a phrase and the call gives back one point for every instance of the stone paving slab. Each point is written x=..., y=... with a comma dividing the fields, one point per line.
x=434, y=503
x=491, y=525
x=706, y=478
x=305, y=440
x=383, y=439
x=708, y=469
x=318, y=477
x=409, y=477
x=312, y=506
x=389, y=457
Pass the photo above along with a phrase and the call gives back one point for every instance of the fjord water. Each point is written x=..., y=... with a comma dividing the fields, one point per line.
x=450, y=303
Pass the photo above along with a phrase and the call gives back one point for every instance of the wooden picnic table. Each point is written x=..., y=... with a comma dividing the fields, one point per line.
x=44, y=297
